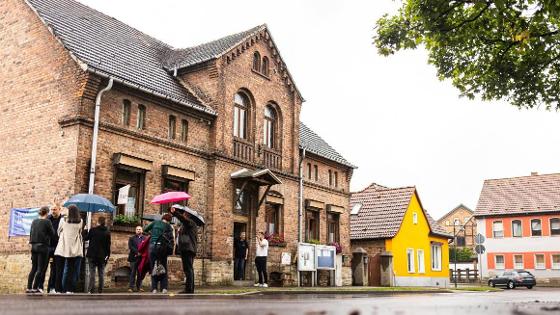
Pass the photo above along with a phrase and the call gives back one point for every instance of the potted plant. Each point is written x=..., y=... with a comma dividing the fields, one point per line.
x=275, y=239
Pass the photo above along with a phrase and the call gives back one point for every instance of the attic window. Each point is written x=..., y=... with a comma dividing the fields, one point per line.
x=356, y=209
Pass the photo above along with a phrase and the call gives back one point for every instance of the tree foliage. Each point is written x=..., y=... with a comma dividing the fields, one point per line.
x=496, y=49
x=463, y=254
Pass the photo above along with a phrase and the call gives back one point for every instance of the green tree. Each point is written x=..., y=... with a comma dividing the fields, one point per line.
x=496, y=49
x=463, y=254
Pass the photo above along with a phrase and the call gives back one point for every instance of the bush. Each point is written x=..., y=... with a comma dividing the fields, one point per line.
x=122, y=219
x=463, y=254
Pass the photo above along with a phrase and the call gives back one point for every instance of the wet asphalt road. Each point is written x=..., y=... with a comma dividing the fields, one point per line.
x=515, y=302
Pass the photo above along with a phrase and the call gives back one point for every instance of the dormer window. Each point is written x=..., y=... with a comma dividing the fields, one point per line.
x=257, y=61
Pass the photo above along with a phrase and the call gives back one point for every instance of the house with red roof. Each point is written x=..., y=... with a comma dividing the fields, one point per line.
x=520, y=218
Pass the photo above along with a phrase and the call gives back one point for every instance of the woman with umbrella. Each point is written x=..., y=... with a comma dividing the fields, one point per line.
x=187, y=246
x=70, y=246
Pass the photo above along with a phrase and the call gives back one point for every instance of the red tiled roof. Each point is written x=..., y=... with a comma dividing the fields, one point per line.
x=382, y=212
x=519, y=195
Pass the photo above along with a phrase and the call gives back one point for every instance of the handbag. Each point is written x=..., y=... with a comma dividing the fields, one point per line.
x=158, y=270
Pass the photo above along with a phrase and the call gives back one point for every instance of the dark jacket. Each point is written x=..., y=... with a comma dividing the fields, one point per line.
x=133, y=243
x=187, y=234
x=99, y=243
x=40, y=235
x=55, y=222
x=158, y=228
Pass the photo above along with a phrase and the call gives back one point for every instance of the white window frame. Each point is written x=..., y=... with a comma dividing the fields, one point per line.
x=421, y=262
x=531, y=226
x=410, y=265
x=494, y=230
x=543, y=266
x=555, y=265
x=414, y=218
x=435, y=257
x=499, y=266
x=515, y=265
x=513, y=229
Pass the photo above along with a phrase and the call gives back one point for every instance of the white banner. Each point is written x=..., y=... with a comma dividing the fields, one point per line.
x=123, y=195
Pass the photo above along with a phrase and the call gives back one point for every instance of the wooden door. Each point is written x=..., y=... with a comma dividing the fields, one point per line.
x=374, y=270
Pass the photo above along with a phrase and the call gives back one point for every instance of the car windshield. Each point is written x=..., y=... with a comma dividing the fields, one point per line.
x=525, y=274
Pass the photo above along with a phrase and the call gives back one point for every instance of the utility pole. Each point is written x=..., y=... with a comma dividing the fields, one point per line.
x=455, y=253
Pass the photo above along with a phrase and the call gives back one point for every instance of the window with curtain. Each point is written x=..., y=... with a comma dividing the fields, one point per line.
x=272, y=218
x=421, y=267
x=126, y=112
x=539, y=261
x=141, y=117
x=516, y=228
x=240, y=115
x=498, y=229
x=269, y=127
x=333, y=223
x=555, y=226
x=436, y=257
x=500, y=262
x=536, y=227
x=556, y=261
x=518, y=261
x=312, y=225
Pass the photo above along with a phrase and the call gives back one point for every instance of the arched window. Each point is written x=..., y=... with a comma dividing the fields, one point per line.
x=240, y=113
x=257, y=61
x=126, y=113
x=265, y=66
x=270, y=127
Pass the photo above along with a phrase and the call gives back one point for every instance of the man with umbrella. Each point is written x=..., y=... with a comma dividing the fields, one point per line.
x=187, y=245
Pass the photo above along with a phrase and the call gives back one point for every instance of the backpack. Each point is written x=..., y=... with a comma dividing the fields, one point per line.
x=164, y=244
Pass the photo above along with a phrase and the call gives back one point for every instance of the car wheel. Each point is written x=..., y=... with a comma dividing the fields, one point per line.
x=529, y=287
x=510, y=285
x=491, y=284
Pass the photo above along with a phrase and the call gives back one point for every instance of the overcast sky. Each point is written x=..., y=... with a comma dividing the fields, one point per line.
x=389, y=116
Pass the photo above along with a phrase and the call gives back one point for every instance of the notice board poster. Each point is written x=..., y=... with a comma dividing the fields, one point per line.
x=306, y=257
x=326, y=256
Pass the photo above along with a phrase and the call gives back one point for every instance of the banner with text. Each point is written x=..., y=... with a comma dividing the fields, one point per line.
x=20, y=221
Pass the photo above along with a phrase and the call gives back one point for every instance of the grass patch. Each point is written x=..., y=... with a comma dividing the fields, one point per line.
x=479, y=288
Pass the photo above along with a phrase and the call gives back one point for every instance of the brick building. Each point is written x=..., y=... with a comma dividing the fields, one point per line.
x=465, y=225
x=219, y=120
x=520, y=218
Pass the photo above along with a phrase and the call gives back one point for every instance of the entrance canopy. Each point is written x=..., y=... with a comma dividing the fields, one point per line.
x=263, y=177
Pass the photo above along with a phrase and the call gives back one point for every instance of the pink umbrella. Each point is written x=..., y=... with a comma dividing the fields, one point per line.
x=169, y=197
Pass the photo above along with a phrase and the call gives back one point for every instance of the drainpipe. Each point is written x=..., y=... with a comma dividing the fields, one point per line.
x=300, y=204
x=94, y=144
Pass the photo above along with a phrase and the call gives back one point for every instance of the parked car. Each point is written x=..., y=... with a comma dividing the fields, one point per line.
x=513, y=279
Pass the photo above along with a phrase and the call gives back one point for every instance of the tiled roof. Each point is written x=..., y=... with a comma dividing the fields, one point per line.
x=182, y=58
x=461, y=206
x=112, y=48
x=519, y=195
x=310, y=141
x=382, y=212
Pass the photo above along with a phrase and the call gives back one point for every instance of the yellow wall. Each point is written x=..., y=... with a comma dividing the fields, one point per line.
x=416, y=236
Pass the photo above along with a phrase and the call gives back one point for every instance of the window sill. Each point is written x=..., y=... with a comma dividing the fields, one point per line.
x=260, y=74
x=283, y=244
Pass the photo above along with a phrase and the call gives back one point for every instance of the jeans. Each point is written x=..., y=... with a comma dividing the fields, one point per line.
x=59, y=263
x=158, y=279
x=135, y=280
x=188, y=261
x=76, y=274
x=239, y=268
x=100, y=265
x=260, y=262
x=39, y=262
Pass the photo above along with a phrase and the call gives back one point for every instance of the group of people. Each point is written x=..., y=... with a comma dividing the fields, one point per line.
x=59, y=239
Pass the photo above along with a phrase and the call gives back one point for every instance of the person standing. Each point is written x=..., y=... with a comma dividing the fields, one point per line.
x=54, y=217
x=160, y=242
x=187, y=247
x=70, y=246
x=40, y=237
x=260, y=260
x=98, y=253
x=134, y=259
x=241, y=248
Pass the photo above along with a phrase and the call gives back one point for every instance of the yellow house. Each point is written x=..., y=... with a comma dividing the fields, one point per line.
x=394, y=240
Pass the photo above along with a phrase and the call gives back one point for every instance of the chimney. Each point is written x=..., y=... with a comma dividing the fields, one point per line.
x=534, y=173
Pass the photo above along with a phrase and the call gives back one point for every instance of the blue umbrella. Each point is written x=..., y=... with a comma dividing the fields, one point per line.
x=90, y=203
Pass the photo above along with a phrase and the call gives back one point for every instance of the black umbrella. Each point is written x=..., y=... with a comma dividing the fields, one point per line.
x=195, y=216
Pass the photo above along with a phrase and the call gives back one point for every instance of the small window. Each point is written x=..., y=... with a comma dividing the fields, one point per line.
x=184, y=130
x=498, y=229
x=539, y=261
x=336, y=179
x=436, y=257
x=447, y=223
x=555, y=226
x=500, y=262
x=309, y=170
x=257, y=61
x=172, y=122
x=410, y=260
x=316, y=168
x=273, y=219
x=126, y=113
x=556, y=261
x=415, y=218
x=356, y=209
x=518, y=261
x=421, y=267
x=141, y=117
x=461, y=242
x=265, y=66
x=456, y=222
x=536, y=227
x=240, y=113
x=330, y=178
x=516, y=228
